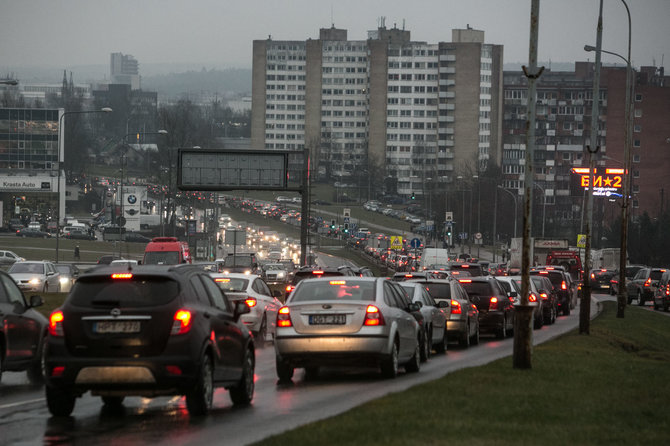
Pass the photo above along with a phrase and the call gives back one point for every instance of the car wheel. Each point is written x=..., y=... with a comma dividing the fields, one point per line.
x=37, y=370
x=640, y=299
x=441, y=347
x=262, y=332
x=60, y=402
x=566, y=310
x=554, y=314
x=414, y=363
x=243, y=392
x=113, y=401
x=389, y=365
x=475, y=337
x=426, y=340
x=199, y=399
x=284, y=370
x=502, y=332
x=465, y=337
x=538, y=322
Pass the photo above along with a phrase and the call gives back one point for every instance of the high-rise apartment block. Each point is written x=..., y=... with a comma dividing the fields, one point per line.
x=386, y=107
x=124, y=69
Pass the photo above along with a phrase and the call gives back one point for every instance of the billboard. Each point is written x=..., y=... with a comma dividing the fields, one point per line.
x=606, y=181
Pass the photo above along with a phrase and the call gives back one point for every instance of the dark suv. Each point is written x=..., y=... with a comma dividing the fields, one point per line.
x=643, y=285
x=567, y=295
x=150, y=331
x=496, y=311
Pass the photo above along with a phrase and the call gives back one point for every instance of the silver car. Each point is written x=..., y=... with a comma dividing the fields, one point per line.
x=261, y=320
x=333, y=321
x=38, y=276
x=435, y=315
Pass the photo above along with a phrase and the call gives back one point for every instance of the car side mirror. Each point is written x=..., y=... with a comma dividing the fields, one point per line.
x=241, y=308
x=413, y=307
x=36, y=301
x=512, y=294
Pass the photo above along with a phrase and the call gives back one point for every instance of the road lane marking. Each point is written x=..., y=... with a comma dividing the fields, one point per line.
x=21, y=403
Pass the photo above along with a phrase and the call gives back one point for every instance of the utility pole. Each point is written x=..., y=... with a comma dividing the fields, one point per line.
x=585, y=304
x=523, y=332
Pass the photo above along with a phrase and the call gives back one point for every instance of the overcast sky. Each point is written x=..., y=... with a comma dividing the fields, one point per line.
x=219, y=33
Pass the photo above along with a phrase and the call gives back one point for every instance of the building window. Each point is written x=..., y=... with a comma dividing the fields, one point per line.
x=638, y=97
x=636, y=188
x=636, y=158
x=636, y=143
x=636, y=174
x=638, y=113
x=637, y=128
x=636, y=204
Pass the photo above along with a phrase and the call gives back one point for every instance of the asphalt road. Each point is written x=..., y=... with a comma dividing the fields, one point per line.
x=25, y=420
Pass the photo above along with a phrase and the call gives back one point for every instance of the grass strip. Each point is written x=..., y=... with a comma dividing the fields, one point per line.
x=610, y=387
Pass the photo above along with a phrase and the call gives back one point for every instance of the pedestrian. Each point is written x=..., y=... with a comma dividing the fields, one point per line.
x=76, y=252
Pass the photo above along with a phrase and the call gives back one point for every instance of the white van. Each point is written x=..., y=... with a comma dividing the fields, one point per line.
x=434, y=256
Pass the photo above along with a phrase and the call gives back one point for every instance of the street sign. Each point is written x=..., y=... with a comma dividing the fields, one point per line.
x=478, y=235
x=396, y=242
x=415, y=243
x=347, y=212
x=448, y=216
x=346, y=219
x=581, y=240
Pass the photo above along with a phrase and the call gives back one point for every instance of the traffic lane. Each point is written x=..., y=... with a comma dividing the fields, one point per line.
x=275, y=408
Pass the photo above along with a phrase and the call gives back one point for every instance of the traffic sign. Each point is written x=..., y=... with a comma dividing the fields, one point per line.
x=346, y=219
x=415, y=243
x=581, y=240
x=347, y=212
x=396, y=242
x=478, y=235
x=448, y=216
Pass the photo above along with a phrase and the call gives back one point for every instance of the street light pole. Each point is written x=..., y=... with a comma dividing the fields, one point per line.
x=544, y=205
x=514, y=197
x=61, y=147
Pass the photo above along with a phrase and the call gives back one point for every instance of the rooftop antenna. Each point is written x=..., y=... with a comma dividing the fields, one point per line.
x=332, y=21
x=403, y=24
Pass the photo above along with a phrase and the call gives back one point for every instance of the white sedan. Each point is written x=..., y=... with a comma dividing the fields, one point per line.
x=262, y=319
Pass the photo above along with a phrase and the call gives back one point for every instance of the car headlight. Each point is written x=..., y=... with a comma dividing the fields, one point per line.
x=35, y=281
x=64, y=280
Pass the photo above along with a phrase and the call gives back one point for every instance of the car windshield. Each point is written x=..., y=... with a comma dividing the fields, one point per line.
x=274, y=266
x=30, y=268
x=336, y=289
x=138, y=291
x=656, y=274
x=161, y=258
x=439, y=290
x=409, y=290
x=231, y=284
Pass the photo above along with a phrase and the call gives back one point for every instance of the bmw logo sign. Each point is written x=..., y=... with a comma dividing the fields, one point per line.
x=132, y=199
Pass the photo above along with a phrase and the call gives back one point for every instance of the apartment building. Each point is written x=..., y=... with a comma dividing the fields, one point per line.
x=401, y=111
x=563, y=132
x=124, y=69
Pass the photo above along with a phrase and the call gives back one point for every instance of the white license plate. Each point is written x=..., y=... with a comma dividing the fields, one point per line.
x=327, y=319
x=117, y=327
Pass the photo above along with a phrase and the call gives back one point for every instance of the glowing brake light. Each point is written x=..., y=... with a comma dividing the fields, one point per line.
x=251, y=302
x=532, y=297
x=221, y=279
x=465, y=280
x=455, y=307
x=337, y=282
x=181, y=323
x=317, y=273
x=544, y=296
x=122, y=276
x=493, y=303
x=647, y=282
x=56, y=323
x=373, y=316
x=564, y=286
x=284, y=317
x=289, y=288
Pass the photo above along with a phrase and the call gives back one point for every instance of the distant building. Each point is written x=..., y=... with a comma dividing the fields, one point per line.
x=124, y=69
x=411, y=111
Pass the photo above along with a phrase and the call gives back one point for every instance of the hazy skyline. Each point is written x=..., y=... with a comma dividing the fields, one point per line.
x=219, y=33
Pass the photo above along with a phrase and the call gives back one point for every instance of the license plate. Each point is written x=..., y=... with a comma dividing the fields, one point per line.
x=117, y=327
x=327, y=319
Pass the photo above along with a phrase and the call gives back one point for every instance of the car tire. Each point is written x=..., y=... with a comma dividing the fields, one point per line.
x=199, y=399
x=262, y=332
x=60, y=402
x=441, y=347
x=566, y=310
x=464, y=341
x=502, y=331
x=640, y=299
x=389, y=365
x=284, y=370
x=112, y=401
x=538, y=322
x=243, y=392
x=475, y=337
x=37, y=369
x=425, y=346
x=414, y=363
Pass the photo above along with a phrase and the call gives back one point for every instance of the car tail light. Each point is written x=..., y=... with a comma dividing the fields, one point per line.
x=465, y=280
x=593, y=275
x=455, y=307
x=58, y=371
x=56, y=323
x=284, y=317
x=173, y=370
x=251, y=302
x=126, y=276
x=564, y=286
x=647, y=282
x=532, y=297
x=373, y=316
x=317, y=273
x=289, y=288
x=493, y=303
x=182, y=322
x=544, y=296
